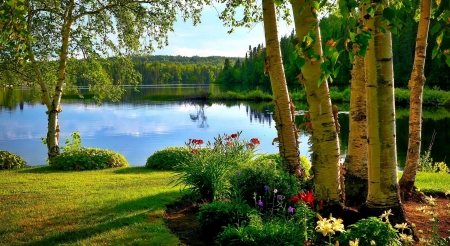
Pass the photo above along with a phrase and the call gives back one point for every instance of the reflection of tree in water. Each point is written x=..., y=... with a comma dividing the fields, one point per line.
x=199, y=116
x=262, y=115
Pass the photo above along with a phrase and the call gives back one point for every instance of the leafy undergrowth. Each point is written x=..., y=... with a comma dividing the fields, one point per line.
x=181, y=220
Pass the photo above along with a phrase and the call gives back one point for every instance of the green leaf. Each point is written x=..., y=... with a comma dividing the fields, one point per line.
x=394, y=30
x=434, y=52
x=334, y=58
x=388, y=13
x=300, y=62
x=381, y=29
x=292, y=57
x=352, y=36
x=448, y=61
x=336, y=71
x=435, y=28
x=362, y=51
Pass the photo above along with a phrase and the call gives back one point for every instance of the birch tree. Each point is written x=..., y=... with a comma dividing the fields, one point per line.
x=89, y=30
x=383, y=189
x=416, y=84
x=284, y=116
x=325, y=143
x=356, y=175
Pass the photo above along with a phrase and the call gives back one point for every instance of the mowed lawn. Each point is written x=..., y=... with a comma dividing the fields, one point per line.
x=122, y=206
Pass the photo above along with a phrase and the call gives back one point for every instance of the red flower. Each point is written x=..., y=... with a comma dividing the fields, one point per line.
x=234, y=135
x=295, y=199
x=229, y=143
x=194, y=151
x=320, y=204
x=251, y=145
x=307, y=197
x=197, y=141
x=255, y=141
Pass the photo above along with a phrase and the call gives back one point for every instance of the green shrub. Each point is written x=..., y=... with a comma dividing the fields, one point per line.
x=167, y=158
x=368, y=230
x=206, y=172
x=291, y=230
x=88, y=159
x=402, y=96
x=9, y=160
x=262, y=179
x=214, y=216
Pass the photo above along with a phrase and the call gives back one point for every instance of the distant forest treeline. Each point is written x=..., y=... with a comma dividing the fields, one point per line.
x=250, y=68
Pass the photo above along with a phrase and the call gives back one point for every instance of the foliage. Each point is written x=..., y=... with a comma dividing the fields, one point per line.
x=206, y=172
x=88, y=159
x=167, y=158
x=263, y=181
x=434, y=239
x=293, y=229
x=426, y=164
x=73, y=143
x=216, y=215
x=368, y=230
x=9, y=160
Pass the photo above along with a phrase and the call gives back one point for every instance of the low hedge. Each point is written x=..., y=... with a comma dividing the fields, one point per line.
x=167, y=158
x=88, y=159
x=9, y=160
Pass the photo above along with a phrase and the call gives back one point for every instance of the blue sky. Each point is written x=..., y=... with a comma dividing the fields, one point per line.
x=210, y=37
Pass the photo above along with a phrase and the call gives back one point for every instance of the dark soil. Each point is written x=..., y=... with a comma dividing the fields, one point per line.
x=181, y=220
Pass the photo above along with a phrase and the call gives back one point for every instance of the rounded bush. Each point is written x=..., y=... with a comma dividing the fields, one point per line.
x=88, y=159
x=9, y=160
x=167, y=158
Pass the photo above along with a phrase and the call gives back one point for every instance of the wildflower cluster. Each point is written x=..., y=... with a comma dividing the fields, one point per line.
x=194, y=144
x=435, y=239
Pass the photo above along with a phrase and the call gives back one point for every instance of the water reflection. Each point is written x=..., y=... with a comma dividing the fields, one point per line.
x=199, y=116
x=137, y=128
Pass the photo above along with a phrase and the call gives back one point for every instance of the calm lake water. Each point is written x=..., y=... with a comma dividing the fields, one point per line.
x=137, y=128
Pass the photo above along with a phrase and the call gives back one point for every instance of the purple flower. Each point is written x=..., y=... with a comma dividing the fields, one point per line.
x=279, y=197
x=260, y=203
x=239, y=173
x=290, y=209
x=266, y=187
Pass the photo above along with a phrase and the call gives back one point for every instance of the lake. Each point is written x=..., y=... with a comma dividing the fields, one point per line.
x=137, y=128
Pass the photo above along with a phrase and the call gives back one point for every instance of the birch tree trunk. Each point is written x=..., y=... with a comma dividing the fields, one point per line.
x=325, y=142
x=284, y=108
x=356, y=176
x=383, y=190
x=416, y=84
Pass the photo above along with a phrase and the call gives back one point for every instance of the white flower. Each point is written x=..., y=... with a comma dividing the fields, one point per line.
x=401, y=226
x=275, y=190
x=406, y=238
x=431, y=200
x=386, y=215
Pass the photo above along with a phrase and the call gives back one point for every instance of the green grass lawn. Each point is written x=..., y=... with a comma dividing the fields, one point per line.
x=40, y=206
x=122, y=206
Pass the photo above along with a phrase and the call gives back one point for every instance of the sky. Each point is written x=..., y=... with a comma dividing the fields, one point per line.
x=210, y=37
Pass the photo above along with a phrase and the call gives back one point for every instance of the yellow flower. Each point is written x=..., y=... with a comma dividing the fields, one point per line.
x=422, y=208
x=372, y=242
x=354, y=242
x=337, y=225
x=324, y=226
